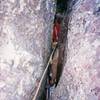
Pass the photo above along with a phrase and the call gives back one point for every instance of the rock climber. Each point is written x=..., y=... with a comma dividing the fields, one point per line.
x=56, y=31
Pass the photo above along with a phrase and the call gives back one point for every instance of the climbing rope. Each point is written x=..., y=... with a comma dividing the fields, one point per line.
x=43, y=77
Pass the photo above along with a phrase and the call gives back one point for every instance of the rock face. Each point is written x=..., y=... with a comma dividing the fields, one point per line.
x=25, y=28
x=80, y=79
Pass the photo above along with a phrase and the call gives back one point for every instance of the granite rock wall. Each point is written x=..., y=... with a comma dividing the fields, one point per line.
x=80, y=79
x=25, y=41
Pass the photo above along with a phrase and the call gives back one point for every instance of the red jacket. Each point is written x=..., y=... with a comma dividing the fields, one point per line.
x=56, y=30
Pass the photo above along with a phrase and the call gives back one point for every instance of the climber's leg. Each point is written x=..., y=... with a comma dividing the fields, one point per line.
x=54, y=67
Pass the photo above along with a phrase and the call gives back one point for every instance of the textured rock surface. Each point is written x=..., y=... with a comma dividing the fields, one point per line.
x=25, y=27
x=81, y=75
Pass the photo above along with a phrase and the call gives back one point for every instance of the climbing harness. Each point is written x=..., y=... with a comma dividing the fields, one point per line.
x=46, y=73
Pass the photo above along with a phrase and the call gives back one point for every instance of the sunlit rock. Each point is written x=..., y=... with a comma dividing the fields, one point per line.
x=25, y=40
x=81, y=74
